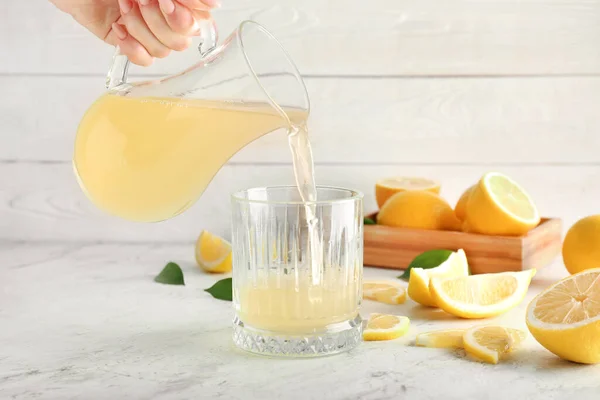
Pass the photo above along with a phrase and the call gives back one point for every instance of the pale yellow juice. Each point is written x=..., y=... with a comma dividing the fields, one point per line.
x=149, y=159
x=292, y=304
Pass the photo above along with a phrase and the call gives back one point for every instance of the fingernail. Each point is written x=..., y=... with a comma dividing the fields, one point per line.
x=119, y=31
x=125, y=6
x=144, y=2
x=212, y=3
x=167, y=6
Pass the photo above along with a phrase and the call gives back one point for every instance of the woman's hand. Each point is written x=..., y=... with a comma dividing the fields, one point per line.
x=143, y=29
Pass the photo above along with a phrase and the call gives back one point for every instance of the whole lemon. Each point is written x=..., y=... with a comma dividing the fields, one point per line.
x=581, y=248
x=461, y=206
x=387, y=187
x=418, y=209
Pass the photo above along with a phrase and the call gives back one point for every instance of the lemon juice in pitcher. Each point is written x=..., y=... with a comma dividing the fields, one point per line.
x=148, y=159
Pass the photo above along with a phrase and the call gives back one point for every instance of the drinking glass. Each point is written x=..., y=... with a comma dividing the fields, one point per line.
x=289, y=302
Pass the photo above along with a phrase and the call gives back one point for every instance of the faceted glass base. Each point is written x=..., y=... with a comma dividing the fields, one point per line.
x=343, y=337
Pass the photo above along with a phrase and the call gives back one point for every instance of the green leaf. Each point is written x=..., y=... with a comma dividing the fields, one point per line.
x=427, y=260
x=221, y=290
x=170, y=275
x=369, y=221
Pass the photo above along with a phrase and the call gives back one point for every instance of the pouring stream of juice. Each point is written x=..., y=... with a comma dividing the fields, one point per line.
x=305, y=180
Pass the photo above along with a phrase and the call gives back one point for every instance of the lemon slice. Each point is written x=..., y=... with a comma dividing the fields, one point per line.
x=447, y=338
x=385, y=327
x=499, y=206
x=418, y=283
x=213, y=253
x=480, y=296
x=489, y=343
x=565, y=318
x=386, y=188
x=388, y=292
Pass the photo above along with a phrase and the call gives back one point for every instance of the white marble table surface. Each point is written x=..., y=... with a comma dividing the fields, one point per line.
x=88, y=322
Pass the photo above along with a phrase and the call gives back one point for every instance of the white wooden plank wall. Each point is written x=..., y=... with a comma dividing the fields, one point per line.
x=445, y=89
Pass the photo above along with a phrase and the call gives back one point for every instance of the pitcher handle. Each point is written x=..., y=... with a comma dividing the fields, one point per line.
x=117, y=73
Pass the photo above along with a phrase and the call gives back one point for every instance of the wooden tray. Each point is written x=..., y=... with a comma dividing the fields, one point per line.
x=389, y=247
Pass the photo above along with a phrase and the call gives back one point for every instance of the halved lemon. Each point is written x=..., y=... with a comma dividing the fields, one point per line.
x=447, y=338
x=499, y=206
x=213, y=253
x=385, y=327
x=386, y=188
x=490, y=343
x=388, y=292
x=418, y=283
x=480, y=296
x=565, y=318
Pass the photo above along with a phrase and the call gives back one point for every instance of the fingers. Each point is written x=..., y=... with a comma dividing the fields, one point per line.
x=151, y=28
x=139, y=30
x=153, y=16
x=135, y=52
x=205, y=5
x=125, y=6
x=179, y=18
x=199, y=14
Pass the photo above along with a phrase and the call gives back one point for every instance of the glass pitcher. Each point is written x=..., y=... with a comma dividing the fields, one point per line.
x=146, y=151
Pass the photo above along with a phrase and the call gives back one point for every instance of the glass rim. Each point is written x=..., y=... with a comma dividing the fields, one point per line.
x=353, y=197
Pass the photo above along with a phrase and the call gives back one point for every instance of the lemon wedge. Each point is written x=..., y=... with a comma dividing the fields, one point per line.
x=418, y=283
x=480, y=296
x=565, y=318
x=447, y=338
x=385, y=327
x=499, y=206
x=213, y=253
x=490, y=343
x=388, y=292
x=386, y=188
